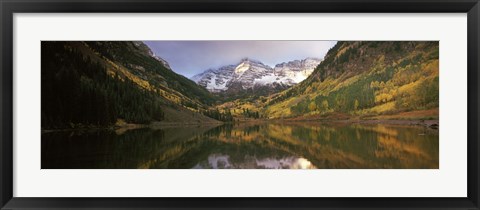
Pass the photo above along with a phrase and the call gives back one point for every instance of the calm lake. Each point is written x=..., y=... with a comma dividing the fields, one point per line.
x=245, y=146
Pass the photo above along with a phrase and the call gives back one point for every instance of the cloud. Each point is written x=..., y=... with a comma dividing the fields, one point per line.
x=192, y=57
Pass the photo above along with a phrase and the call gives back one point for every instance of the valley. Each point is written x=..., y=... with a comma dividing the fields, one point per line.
x=126, y=82
x=357, y=81
x=118, y=105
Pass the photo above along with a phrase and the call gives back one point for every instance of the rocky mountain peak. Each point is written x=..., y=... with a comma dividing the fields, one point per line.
x=144, y=49
x=250, y=73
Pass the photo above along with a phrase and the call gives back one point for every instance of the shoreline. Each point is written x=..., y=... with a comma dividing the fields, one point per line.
x=132, y=126
x=428, y=118
x=394, y=119
x=434, y=124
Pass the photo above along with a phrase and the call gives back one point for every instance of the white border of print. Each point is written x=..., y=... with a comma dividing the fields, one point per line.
x=448, y=181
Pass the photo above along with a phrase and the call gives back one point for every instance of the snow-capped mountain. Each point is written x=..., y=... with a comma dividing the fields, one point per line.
x=250, y=73
x=215, y=80
x=297, y=70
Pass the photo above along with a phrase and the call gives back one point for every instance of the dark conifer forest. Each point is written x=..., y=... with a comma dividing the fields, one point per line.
x=78, y=91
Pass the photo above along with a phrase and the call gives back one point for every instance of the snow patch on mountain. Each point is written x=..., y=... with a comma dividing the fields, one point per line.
x=240, y=69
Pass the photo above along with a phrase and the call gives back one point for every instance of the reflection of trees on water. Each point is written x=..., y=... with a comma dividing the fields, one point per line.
x=266, y=145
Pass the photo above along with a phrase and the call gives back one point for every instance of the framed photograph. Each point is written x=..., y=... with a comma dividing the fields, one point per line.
x=239, y=104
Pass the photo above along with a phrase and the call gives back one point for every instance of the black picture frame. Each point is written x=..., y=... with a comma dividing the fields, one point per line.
x=9, y=7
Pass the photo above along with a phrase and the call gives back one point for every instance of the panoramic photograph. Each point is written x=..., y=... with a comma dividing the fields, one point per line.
x=239, y=104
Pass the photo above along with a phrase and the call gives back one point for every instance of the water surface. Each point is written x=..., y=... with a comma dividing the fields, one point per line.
x=245, y=146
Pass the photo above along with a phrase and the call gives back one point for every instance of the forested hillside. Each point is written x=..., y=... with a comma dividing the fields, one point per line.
x=366, y=79
x=91, y=84
x=99, y=83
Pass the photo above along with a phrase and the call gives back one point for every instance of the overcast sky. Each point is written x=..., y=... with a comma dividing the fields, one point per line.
x=192, y=57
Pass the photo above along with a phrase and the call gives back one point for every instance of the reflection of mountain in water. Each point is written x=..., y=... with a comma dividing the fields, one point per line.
x=267, y=145
x=216, y=161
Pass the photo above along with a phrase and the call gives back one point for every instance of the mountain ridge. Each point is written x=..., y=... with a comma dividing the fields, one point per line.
x=365, y=79
x=250, y=73
x=103, y=83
